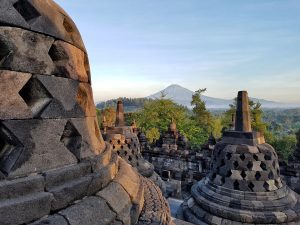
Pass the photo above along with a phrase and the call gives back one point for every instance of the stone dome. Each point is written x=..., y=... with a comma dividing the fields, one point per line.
x=55, y=167
x=246, y=168
x=45, y=87
x=244, y=184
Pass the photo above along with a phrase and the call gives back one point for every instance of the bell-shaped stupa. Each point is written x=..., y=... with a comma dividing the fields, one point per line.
x=244, y=184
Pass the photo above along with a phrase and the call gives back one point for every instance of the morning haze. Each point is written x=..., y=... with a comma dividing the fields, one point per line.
x=140, y=47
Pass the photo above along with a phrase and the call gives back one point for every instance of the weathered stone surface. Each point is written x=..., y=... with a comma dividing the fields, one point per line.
x=102, y=177
x=54, y=178
x=54, y=58
x=41, y=16
x=85, y=99
x=69, y=61
x=38, y=154
x=22, y=45
x=243, y=121
x=25, y=209
x=68, y=184
x=156, y=209
x=52, y=220
x=90, y=211
x=21, y=187
x=112, y=194
x=92, y=141
x=69, y=192
x=66, y=104
x=12, y=106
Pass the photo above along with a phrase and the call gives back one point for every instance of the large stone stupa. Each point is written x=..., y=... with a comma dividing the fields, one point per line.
x=55, y=167
x=244, y=184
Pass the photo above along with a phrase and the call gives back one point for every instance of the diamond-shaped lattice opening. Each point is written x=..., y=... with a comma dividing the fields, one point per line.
x=255, y=157
x=236, y=185
x=266, y=186
x=10, y=150
x=36, y=96
x=130, y=158
x=27, y=11
x=228, y=155
x=222, y=163
x=72, y=140
x=213, y=176
x=223, y=180
x=243, y=174
x=271, y=175
x=251, y=186
x=263, y=166
x=242, y=157
x=229, y=173
x=257, y=175
x=4, y=49
x=268, y=157
x=60, y=59
x=250, y=165
x=236, y=164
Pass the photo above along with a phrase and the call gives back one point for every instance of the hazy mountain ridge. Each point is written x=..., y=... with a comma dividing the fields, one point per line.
x=183, y=96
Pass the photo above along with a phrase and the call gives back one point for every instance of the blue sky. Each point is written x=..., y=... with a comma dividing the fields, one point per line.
x=138, y=47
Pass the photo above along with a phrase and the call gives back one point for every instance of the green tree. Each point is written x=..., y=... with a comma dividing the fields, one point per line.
x=200, y=114
x=257, y=122
x=152, y=135
x=285, y=146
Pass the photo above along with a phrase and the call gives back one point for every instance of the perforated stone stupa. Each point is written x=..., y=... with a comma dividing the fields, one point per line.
x=125, y=143
x=244, y=185
x=55, y=167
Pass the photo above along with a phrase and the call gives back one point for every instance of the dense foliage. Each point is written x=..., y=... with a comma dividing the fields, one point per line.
x=154, y=116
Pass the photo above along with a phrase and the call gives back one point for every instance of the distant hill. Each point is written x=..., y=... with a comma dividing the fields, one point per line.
x=183, y=96
x=130, y=104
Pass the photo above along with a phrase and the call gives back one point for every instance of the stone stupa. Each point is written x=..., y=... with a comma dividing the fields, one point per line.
x=55, y=167
x=125, y=142
x=244, y=184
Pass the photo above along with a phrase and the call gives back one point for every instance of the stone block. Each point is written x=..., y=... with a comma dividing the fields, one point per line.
x=51, y=220
x=104, y=176
x=129, y=180
x=41, y=16
x=69, y=61
x=112, y=194
x=22, y=45
x=92, y=141
x=28, y=208
x=62, y=103
x=69, y=192
x=90, y=211
x=21, y=187
x=12, y=106
x=54, y=178
x=36, y=155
